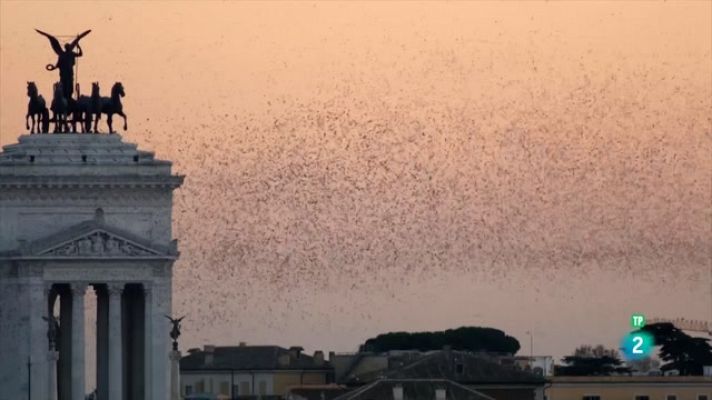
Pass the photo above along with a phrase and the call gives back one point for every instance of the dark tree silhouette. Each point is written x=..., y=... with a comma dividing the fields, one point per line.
x=464, y=338
x=591, y=361
x=680, y=351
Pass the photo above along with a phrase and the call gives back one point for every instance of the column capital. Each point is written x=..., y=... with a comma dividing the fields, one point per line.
x=78, y=289
x=115, y=288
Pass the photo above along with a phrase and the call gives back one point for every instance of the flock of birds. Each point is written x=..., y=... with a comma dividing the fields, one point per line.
x=346, y=190
x=373, y=184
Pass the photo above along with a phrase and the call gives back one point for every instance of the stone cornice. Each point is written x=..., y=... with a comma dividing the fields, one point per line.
x=90, y=182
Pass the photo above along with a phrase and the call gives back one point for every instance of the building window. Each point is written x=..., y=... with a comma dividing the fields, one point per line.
x=224, y=388
x=459, y=368
x=235, y=390
x=244, y=388
x=200, y=386
x=589, y=397
x=263, y=388
x=671, y=397
x=188, y=390
x=642, y=397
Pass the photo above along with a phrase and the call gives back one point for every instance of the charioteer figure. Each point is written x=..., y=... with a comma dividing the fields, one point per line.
x=66, y=58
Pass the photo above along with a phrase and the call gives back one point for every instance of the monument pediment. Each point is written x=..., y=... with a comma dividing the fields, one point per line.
x=93, y=239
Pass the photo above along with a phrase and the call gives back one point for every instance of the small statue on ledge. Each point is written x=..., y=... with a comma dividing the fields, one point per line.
x=52, y=331
x=175, y=332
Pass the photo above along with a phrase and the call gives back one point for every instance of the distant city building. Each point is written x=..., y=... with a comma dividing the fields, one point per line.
x=316, y=392
x=481, y=373
x=414, y=389
x=539, y=365
x=629, y=388
x=245, y=372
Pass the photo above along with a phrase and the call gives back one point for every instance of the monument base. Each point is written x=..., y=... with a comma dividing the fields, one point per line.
x=175, y=375
x=52, y=358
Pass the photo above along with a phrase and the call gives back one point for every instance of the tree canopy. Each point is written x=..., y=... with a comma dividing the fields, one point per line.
x=591, y=361
x=463, y=338
x=680, y=351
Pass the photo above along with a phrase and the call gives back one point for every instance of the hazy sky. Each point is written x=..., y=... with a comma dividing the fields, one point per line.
x=355, y=168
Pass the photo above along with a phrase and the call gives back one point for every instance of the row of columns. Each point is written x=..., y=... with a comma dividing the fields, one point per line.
x=115, y=366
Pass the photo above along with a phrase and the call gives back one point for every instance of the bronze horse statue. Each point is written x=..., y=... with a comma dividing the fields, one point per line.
x=112, y=105
x=36, y=107
x=60, y=109
x=88, y=108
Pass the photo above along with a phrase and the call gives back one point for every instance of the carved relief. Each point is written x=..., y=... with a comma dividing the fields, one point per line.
x=95, y=273
x=99, y=244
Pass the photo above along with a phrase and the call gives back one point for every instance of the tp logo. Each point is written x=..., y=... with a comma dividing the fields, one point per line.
x=638, y=344
x=637, y=321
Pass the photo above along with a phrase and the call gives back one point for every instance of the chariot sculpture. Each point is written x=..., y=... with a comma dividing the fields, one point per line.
x=69, y=109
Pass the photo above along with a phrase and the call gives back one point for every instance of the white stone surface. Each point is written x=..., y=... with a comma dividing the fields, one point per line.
x=115, y=369
x=78, y=342
x=52, y=357
x=50, y=233
x=175, y=375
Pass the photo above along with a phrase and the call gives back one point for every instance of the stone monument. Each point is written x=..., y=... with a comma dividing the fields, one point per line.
x=81, y=211
x=175, y=358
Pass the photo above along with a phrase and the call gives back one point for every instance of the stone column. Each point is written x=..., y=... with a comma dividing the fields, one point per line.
x=53, y=354
x=102, y=342
x=175, y=375
x=64, y=372
x=52, y=358
x=148, y=339
x=115, y=353
x=78, y=383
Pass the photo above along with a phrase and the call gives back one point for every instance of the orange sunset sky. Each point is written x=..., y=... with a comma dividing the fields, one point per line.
x=360, y=167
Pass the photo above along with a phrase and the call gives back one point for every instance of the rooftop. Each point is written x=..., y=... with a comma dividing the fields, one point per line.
x=241, y=358
x=631, y=379
x=459, y=366
x=59, y=158
x=414, y=389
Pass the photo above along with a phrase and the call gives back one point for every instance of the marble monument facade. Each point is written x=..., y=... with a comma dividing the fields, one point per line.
x=82, y=212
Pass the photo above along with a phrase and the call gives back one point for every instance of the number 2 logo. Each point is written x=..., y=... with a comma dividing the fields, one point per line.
x=638, y=344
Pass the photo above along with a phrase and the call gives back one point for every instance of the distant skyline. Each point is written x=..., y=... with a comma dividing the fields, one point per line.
x=360, y=167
